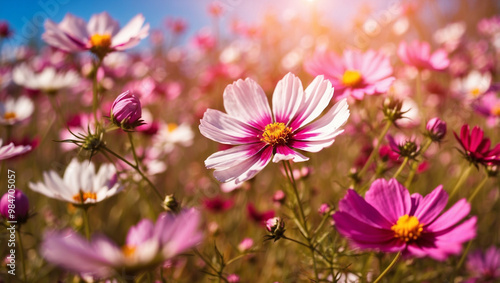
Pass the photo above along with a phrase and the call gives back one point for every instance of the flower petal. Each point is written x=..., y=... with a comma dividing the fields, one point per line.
x=431, y=205
x=223, y=128
x=391, y=199
x=287, y=98
x=283, y=152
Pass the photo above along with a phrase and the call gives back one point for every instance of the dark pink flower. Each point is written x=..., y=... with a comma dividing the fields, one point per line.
x=354, y=75
x=418, y=54
x=101, y=34
x=436, y=129
x=476, y=148
x=218, y=204
x=5, y=30
x=257, y=216
x=485, y=267
x=126, y=110
x=17, y=203
x=389, y=219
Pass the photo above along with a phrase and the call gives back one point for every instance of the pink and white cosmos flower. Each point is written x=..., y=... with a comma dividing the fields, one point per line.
x=11, y=150
x=354, y=75
x=258, y=133
x=101, y=35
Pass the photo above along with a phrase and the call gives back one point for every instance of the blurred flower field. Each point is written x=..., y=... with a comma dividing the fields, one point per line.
x=283, y=149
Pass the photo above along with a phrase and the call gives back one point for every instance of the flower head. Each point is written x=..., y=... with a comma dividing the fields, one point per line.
x=12, y=150
x=101, y=34
x=126, y=111
x=14, y=111
x=80, y=185
x=48, y=80
x=356, y=74
x=5, y=30
x=276, y=227
x=147, y=245
x=258, y=135
x=403, y=146
x=389, y=219
x=436, y=129
x=476, y=148
x=14, y=206
x=418, y=54
x=485, y=267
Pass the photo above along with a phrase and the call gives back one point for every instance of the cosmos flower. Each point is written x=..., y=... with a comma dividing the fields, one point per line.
x=101, y=34
x=489, y=106
x=354, y=75
x=485, y=267
x=258, y=135
x=476, y=148
x=389, y=219
x=80, y=183
x=11, y=150
x=473, y=86
x=47, y=80
x=147, y=245
x=17, y=110
x=418, y=54
x=171, y=134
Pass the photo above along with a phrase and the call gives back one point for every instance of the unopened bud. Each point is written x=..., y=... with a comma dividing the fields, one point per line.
x=392, y=109
x=126, y=111
x=276, y=226
x=171, y=204
x=436, y=129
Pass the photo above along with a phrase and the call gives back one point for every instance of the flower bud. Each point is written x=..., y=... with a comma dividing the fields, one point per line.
x=170, y=204
x=233, y=278
x=18, y=205
x=126, y=111
x=245, y=245
x=392, y=109
x=436, y=129
x=279, y=197
x=324, y=209
x=276, y=226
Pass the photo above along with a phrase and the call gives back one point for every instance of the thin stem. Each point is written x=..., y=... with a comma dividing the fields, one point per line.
x=130, y=138
x=375, y=150
x=418, y=87
x=462, y=258
x=207, y=262
x=137, y=169
x=414, y=165
x=388, y=268
x=86, y=222
x=401, y=167
x=477, y=189
x=21, y=252
x=95, y=97
x=461, y=180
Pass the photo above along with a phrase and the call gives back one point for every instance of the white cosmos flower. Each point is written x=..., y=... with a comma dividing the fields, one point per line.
x=80, y=183
x=14, y=111
x=11, y=150
x=171, y=134
x=473, y=86
x=47, y=80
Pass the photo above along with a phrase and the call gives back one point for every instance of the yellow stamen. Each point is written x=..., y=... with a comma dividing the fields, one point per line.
x=276, y=133
x=171, y=127
x=408, y=228
x=86, y=195
x=128, y=250
x=351, y=78
x=475, y=92
x=100, y=40
x=495, y=110
x=9, y=115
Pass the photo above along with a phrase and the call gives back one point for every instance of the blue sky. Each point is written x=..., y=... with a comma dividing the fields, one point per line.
x=27, y=20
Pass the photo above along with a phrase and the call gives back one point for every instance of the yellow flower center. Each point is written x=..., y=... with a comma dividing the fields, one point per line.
x=78, y=197
x=9, y=115
x=128, y=250
x=276, y=133
x=351, y=78
x=171, y=127
x=100, y=40
x=495, y=110
x=475, y=92
x=407, y=228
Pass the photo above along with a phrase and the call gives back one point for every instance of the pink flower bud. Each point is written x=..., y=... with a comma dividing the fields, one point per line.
x=279, y=197
x=436, y=129
x=324, y=209
x=126, y=111
x=233, y=278
x=14, y=206
x=245, y=245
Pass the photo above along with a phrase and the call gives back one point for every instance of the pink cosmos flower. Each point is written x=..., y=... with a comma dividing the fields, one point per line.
x=476, y=147
x=485, y=267
x=147, y=246
x=389, y=219
x=418, y=54
x=101, y=34
x=12, y=150
x=354, y=75
x=258, y=134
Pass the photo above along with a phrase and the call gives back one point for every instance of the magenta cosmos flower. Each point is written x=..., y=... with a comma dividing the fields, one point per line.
x=485, y=267
x=389, y=219
x=147, y=245
x=258, y=135
x=476, y=148
x=101, y=34
x=418, y=54
x=356, y=74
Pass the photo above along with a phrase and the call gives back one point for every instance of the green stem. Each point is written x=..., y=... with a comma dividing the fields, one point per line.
x=388, y=268
x=461, y=180
x=86, y=224
x=477, y=189
x=401, y=167
x=130, y=138
x=95, y=94
x=375, y=150
x=21, y=252
x=462, y=258
x=137, y=169
x=414, y=165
